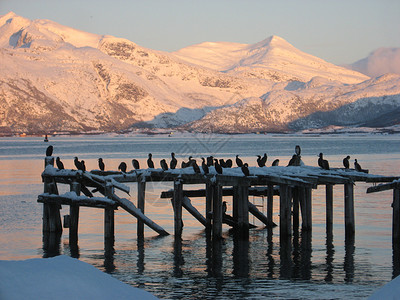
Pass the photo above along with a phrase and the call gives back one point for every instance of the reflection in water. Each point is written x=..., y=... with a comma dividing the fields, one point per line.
x=178, y=258
x=285, y=253
x=396, y=260
x=270, y=257
x=51, y=244
x=306, y=251
x=240, y=253
x=349, y=258
x=329, y=257
x=140, y=255
x=74, y=248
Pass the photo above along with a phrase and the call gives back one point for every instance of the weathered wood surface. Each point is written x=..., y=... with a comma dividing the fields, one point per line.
x=253, y=191
x=187, y=204
x=383, y=187
x=68, y=199
x=259, y=215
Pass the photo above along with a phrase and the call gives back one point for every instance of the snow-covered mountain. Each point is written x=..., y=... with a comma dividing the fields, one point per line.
x=379, y=62
x=273, y=58
x=56, y=78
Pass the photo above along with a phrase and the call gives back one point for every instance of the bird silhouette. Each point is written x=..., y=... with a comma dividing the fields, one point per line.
x=275, y=162
x=239, y=162
x=204, y=166
x=228, y=163
x=346, y=162
x=83, y=165
x=217, y=166
x=163, y=164
x=323, y=163
x=292, y=161
x=135, y=164
x=173, y=162
x=150, y=162
x=59, y=163
x=101, y=164
x=78, y=164
x=122, y=167
x=297, y=150
x=196, y=168
x=261, y=161
x=49, y=150
x=245, y=169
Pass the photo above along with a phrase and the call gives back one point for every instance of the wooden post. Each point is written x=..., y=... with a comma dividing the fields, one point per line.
x=51, y=212
x=108, y=217
x=285, y=211
x=141, y=203
x=329, y=208
x=217, y=212
x=296, y=208
x=396, y=218
x=177, y=205
x=307, y=211
x=243, y=211
x=74, y=214
x=349, y=209
x=270, y=204
x=209, y=205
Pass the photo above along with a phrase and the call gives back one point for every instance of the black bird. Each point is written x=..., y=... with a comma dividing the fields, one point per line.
x=245, y=169
x=239, y=162
x=164, y=165
x=292, y=161
x=275, y=162
x=228, y=163
x=188, y=164
x=101, y=164
x=122, y=166
x=222, y=163
x=83, y=165
x=59, y=163
x=173, y=162
x=357, y=166
x=150, y=162
x=204, y=166
x=323, y=163
x=135, y=164
x=210, y=161
x=261, y=161
x=196, y=167
x=78, y=164
x=346, y=162
x=297, y=150
x=49, y=150
x=218, y=167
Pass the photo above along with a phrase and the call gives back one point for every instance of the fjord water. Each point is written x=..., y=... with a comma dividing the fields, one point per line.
x=320, y=268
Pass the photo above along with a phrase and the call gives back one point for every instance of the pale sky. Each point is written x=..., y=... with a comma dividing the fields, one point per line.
x=338, y=31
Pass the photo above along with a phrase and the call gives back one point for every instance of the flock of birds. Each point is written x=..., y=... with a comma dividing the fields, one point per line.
x=218, y=164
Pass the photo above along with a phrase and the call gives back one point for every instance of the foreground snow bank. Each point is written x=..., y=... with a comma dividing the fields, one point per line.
x=390, y=290
x=61, y=277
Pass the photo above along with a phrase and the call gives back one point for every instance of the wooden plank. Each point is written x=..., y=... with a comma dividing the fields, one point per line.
x=177, y=205
x=74, y=213
x=187, y=204
x=259, y=215
x=329, y=208
x=253, y=191
x=383, y=187
x=396, y=219
x=95, y=202
x=217, y=212
x=141, y=194
x=349, y=209
x=285, y=225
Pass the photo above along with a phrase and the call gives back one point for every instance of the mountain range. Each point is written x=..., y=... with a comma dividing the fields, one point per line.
x=55, y=78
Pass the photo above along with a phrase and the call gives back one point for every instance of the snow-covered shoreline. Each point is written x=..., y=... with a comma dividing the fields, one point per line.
x=61, y=277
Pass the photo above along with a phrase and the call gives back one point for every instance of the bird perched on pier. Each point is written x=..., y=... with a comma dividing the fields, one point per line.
x=49, y=150
x=261, y=161
x=204, y=166
x=323, y=163
x=173, y=162
x=135, y=164
x=163, y=164
x=358, y=168
x=228, y=163
x=101, y=164
x=188, y=163
x=59, y=163
x=80, y=165
x=217, y=166
x=297, y=150
x=239, y=162
x=196, y=168
x=346, y=162
x=122, y=167
x=210, y=161
x=245, y=169
x=292, y=161
x=275, y=162
x=150, y=162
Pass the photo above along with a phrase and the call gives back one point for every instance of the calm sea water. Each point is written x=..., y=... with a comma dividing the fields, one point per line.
x=313, y=267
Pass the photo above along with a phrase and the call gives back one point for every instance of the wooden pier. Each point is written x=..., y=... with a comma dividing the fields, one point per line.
x=292, y=184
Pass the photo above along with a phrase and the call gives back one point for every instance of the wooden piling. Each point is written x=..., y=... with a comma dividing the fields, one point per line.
x=141, y=204
x=285, y=211
x=349, y=209
x=270, y=204
x=51, y=211
x=242, y=221
x=396, y=218
x=177, y=205
x=217, y=212
x=74, y=214
x=329, y=208
x=109, y=217
x=209, y=205
x=296, y=208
